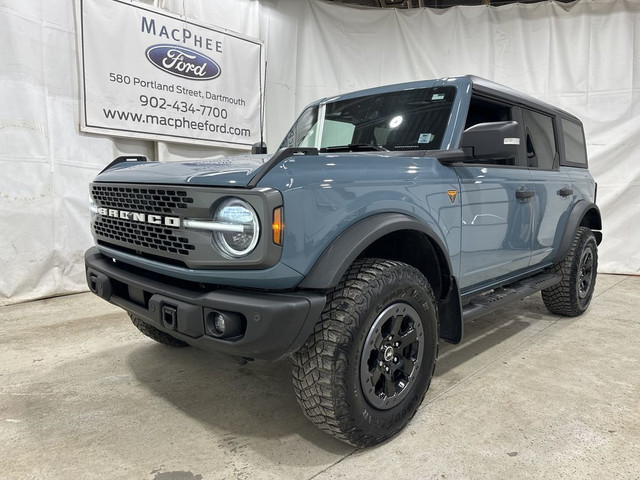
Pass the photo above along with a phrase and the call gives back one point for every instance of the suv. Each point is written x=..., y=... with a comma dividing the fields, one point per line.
x=387, y=217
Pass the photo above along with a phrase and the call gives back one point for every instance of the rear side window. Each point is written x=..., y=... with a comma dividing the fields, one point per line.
x=574, y=144
x=540, y=141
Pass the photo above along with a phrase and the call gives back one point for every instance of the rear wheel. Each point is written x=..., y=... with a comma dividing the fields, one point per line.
x=364, y=371
x=155, y=334
x=579, y=270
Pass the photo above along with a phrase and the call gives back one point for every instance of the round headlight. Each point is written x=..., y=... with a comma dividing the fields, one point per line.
x=244, y=228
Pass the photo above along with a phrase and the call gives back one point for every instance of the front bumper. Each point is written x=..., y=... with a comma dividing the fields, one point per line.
x=274, y=324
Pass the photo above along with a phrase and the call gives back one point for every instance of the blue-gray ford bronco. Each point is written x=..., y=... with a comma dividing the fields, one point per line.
x=386, y=219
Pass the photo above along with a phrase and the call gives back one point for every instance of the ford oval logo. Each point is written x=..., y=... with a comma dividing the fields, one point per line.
x=183, y=62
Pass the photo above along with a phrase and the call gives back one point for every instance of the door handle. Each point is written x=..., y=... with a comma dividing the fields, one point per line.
x=565, y=192
x=524, y=194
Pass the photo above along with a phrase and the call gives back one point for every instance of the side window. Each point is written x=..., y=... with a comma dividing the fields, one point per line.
x=540, y=141
x=574, y=144
x=485, y=111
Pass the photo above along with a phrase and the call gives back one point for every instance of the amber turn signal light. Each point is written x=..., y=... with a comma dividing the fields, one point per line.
x=277, y=227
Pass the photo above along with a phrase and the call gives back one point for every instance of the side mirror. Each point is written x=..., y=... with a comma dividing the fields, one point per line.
x=492, y=141
x=259, y=148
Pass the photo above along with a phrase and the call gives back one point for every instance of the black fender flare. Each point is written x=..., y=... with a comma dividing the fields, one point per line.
x=581, y=209
x=331, y=265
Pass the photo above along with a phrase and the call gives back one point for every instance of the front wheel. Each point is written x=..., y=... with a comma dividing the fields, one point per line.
x=365, y=369
x=579, y=270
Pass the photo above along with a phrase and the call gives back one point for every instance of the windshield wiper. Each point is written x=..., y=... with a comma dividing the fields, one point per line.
x=355, y=147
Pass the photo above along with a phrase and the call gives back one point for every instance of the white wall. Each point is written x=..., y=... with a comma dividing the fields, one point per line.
x=46, y=164
x=584, y=57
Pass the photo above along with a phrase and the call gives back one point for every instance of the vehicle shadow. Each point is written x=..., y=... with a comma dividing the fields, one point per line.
x=480, y=336
x=484, y=334
x=257, y=400
x=238, y=403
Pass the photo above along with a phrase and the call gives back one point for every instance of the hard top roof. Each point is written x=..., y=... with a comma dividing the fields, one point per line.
x=488, y=87
x=478, y=84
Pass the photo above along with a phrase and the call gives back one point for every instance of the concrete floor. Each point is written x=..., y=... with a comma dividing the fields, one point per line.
x=83, y=395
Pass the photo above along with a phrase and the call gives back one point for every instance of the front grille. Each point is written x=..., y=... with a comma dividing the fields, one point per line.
x=142, y=235
x=147, y=239
x=153, y=200
x=146, y=221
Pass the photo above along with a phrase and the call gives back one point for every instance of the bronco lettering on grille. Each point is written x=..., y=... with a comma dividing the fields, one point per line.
x=140, y=217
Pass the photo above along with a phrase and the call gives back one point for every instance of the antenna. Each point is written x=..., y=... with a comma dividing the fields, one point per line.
x=261, y=148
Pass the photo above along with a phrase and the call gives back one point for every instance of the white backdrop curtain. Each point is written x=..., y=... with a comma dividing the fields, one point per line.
x=583, y=57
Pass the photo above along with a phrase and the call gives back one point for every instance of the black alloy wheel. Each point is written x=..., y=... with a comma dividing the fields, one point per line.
x=365, y=369
x=587, y=273
x=392, y=355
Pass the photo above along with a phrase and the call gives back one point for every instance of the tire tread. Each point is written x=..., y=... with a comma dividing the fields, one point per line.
x=560, y=298
x=319, y=366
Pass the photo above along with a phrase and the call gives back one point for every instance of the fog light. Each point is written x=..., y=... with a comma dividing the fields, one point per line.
x=219, y=324
x=224, y=324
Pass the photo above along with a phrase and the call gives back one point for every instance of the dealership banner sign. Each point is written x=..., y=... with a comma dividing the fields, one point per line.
x=150, y=74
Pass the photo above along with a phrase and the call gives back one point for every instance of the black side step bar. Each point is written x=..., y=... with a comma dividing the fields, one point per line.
x=500, y=297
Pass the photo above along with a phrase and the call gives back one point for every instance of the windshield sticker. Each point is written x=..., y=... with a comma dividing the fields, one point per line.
x=426, y=138
x=438, y=96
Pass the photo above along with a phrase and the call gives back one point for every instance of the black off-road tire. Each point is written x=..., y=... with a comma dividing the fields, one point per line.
x=579, y=270
x=382, y=314
x=155, y=334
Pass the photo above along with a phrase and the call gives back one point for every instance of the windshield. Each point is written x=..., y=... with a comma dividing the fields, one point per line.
x=403, y=120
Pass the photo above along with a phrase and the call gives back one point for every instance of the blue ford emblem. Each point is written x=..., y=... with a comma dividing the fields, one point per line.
x=183, y=62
